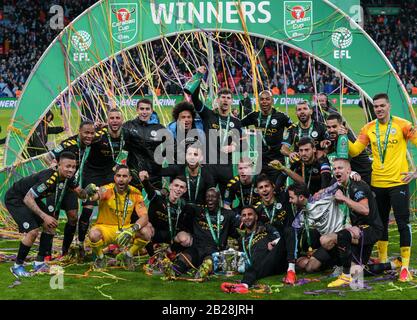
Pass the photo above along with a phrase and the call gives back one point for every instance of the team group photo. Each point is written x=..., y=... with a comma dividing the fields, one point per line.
x=208, y=150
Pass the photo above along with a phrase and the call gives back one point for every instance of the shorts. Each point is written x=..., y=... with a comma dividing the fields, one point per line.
x=161, y=236
x=362, y=252
x=99, y=178
x=26, y=219
x=198, y=253
x=109, y=232
x=69, y=202
x=327, y=258
x=303, y=245
x=222, y=174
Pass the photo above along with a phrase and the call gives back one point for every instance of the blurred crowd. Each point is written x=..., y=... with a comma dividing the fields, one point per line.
x=25, y=33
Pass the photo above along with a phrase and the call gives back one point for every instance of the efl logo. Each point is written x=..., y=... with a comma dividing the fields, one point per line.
x=342, y=38
x=81, y=40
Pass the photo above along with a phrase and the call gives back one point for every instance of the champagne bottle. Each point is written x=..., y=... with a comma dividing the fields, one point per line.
x=193, y=83
x=342, y=148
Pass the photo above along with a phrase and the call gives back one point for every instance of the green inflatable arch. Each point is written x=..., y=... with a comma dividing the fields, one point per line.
x=317, y=28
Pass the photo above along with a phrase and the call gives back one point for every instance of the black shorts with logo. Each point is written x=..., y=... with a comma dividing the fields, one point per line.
x=26, y=219
x=362, y=251
x=99, y=178
x=163, y=236
x=328, y=258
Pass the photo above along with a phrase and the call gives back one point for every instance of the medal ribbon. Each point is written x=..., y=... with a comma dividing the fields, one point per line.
x=57, y=204
x=307, y=227
x=251, y=194
x=247, y=253
x=81, y=161
x=178, y=211
x=113, y=154
x=300, y=130
x=187, y=176
x=223, y=140
x=382, y=153
x=271, y=217
x=216, y=239
x=125, y=206
x=268, y=120
x=303, y=174
x=346, y=209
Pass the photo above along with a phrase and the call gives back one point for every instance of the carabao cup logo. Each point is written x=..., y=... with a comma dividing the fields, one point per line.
x=122, y=14
x=298, y=12
x=124, y=21
x=298, y=19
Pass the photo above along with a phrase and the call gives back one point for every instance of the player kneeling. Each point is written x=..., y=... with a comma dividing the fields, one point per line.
x=24, y=203
x=117, y=201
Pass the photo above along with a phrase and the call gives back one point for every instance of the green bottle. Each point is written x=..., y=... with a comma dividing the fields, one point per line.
x=193, y=83
x=342, y=148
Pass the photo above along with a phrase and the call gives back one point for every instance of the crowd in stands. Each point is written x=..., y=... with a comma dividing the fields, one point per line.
x=25, y=33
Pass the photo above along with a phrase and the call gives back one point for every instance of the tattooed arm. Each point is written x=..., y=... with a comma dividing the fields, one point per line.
x=30, y=202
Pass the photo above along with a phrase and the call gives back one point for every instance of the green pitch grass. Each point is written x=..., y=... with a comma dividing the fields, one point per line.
x=137, y=285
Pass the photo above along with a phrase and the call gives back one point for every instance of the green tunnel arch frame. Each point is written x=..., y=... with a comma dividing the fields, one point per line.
x=312, y=27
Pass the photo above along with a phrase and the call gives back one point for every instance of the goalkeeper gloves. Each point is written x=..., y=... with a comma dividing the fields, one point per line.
x=91, y=189
x=276, y=165
x=126, y=235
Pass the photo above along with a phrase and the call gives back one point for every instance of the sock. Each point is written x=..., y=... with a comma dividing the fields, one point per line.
x=129, y=254
x=396, y=263
x=138, y=244
x=382, y=251
x=291, y=266
x=22, y=253
x=180, y=266
x=37, y=263
x=346, y=271
x=378, y=268
x=69, y=232
x=149, y=248
x=346, y=274
x=45, y=246
x=344, y=239
x=405, y=256
x=84, y=222
x=97, y=248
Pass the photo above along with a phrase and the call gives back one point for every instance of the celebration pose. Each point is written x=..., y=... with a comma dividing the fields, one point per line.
x=388, y=136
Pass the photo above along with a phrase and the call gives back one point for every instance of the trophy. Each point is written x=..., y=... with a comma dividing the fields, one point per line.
x=230, y=262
